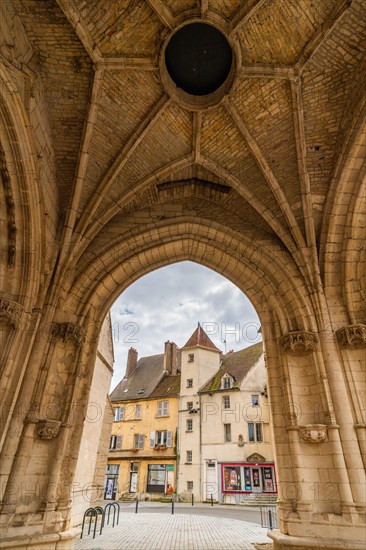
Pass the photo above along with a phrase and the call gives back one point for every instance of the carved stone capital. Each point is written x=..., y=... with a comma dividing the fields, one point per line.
x=68, y=332
x=299, y=342
x=48, y=429
x=352, y=336
x=313, y=433
x=10, y=312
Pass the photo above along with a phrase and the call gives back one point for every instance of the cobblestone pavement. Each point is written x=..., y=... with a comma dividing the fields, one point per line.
x=154, y=531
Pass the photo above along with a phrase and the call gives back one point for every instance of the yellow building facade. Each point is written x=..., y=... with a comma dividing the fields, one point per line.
x=142, y=451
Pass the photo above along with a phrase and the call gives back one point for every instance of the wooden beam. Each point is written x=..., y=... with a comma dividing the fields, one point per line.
x=321, y=34
x=73, y=15
x=247, y=9
x=162, y=12
x=268, y=174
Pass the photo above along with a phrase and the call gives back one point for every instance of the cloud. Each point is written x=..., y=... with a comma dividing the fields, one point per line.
x=167, y=304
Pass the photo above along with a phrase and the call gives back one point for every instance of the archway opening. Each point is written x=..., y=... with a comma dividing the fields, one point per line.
x=169, y=302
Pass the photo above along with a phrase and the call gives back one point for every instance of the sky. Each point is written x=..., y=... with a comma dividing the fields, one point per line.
x=168, y=303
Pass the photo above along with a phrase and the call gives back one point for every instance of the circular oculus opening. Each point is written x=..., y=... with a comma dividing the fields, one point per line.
x=198, y=59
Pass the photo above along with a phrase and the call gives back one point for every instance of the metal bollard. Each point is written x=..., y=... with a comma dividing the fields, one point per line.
x=137, y=506
x=270, y=519
x=211, y=500
x=192, y=499
x=172, y=506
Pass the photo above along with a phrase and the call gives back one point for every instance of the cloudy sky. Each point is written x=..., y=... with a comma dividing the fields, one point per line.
x=168, y=303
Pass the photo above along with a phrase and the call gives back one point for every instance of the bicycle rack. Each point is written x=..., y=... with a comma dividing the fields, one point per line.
x=91, y=513
x=116, y=508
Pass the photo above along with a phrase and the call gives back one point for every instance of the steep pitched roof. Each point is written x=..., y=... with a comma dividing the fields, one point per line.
x=237, y=364
x=200, y=338
x=147, y=375
x=169, y=386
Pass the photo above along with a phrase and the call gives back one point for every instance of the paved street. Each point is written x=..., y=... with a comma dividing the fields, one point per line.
x=185, y=530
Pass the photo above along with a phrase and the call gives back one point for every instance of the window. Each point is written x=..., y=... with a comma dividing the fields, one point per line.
x=190, y=405
x=227, y=382
x=189, y=457
x=162, y=438
x=258, y=432
x=189, y=425
x=190, y=357
x=227, y=432
x=112, y=469
x=163, y=408
x=226, y=402
x=138, y=412
x=138, y=441
x=255, y=431
x=189, y=485
x=119, y=413
x=190, y=383
x=115, y=442
x=142, y=390
x=255, y=400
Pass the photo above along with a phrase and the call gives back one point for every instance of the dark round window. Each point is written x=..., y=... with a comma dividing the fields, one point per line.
x=198, y=58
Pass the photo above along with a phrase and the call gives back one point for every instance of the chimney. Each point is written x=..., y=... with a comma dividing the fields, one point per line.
x=131, y=362
x=170, y=357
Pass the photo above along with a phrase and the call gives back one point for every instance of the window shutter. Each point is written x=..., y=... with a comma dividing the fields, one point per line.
x=141, y=441
x=152, y=439
x=169, y=438
x=119, y=442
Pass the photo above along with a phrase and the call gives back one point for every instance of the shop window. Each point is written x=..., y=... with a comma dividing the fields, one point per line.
x=255, y=400
x=115, y=442
x=232, y=478
x=119, y=413
x=156, y=478
x=227, y=433
x=189, y=457
x=163, y=407
x=189, y=425
x=226, y=402
x=138, y=441
x=248, y=477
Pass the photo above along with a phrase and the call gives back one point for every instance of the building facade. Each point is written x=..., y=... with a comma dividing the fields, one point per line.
x=225, y=450
x=142, y=455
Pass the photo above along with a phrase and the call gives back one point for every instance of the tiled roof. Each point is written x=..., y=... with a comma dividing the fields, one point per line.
x=237, y=364
x=169, y=386
x=200, y=338
x=147, y=374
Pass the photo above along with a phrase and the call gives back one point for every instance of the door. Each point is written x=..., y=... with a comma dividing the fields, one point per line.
x=133, y=482
x=211, y=481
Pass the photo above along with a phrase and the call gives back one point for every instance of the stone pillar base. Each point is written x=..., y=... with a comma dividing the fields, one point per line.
x=287, y=542
x=54, y=541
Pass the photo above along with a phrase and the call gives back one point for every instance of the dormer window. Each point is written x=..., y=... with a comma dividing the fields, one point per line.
x=227, y=382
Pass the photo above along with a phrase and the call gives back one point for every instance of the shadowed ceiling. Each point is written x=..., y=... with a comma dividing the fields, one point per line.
x=264, y=156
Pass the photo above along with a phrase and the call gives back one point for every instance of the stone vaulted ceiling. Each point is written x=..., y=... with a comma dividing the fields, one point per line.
x=263, y=157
